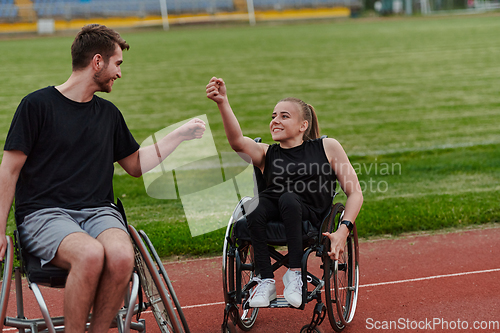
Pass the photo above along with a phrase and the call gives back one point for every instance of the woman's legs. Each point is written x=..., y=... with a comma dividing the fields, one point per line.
x=257, y=221
x=266, y=211
x=293, y=212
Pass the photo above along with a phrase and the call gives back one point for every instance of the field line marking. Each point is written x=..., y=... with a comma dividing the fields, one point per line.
x=423, y=149
x=429, y=278
x=120, y=172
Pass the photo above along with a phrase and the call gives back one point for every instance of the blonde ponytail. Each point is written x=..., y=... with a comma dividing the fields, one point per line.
x=313, y=129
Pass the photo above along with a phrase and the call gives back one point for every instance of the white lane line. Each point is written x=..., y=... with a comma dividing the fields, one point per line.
x=202, y=305
x=383, y=283
x=430, y=278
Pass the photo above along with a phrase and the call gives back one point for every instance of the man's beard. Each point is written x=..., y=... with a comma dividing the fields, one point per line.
x=103, y=82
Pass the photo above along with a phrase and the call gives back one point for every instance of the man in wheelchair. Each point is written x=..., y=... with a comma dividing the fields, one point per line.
x=58, y=163
x=299, y=172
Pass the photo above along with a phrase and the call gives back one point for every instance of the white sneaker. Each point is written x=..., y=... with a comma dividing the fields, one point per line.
x=263, y=293
x=293, y=287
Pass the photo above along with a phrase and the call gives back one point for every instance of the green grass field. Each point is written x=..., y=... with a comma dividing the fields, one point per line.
x=414, y=102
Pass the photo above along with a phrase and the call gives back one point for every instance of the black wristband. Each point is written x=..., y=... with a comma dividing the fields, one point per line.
x=348, y=224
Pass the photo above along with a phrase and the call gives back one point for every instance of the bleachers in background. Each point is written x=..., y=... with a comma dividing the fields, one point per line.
x=290, y=4
x=180, y=6
x=8, y=10
x=86, y=8
x=45, y=8
x=31, y=10
x=72, y=8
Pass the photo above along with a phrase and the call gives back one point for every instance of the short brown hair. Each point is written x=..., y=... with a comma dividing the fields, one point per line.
x=95, y=39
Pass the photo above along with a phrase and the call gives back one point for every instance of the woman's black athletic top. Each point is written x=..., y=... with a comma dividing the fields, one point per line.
x=303, y=170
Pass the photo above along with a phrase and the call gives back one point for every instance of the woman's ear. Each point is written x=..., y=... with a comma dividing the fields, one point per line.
x=304, y=126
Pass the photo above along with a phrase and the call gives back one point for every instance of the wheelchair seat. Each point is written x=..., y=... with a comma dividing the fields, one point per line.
x=49, y=275
x=275, y=232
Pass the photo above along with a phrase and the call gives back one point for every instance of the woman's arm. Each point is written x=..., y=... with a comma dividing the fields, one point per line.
x=350, y=185
x=216, y=91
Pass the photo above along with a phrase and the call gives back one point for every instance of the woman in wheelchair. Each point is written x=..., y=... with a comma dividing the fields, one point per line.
x=300, y=172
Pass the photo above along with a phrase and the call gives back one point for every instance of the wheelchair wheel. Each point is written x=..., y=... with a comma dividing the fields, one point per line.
x=6, y=266
x=166, y=279
x=157, y=295
x=238, y=272
x=341, y=276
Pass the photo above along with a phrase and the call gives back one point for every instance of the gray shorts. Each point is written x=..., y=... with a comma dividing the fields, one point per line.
x=42, y=231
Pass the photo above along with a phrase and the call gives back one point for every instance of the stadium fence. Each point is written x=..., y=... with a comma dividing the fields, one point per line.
x=153, y=12
x=33, y=10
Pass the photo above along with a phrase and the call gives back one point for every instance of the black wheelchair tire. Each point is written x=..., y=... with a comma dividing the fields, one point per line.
x=7, y=267
x=157, y=295
x=232, y=262
x=329, y=266
x=166, y=279
x=347, y=280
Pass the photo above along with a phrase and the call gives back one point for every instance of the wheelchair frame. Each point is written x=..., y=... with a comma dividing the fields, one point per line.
x=340, y=280
x=146, y=276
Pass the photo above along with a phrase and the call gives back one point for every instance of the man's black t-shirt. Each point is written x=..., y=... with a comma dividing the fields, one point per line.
x=70, y=148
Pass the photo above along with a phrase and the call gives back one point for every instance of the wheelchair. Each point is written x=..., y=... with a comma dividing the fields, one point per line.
x=339, y=281
x=150, y=289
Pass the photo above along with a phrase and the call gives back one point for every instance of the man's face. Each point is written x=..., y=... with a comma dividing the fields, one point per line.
x=111, y=71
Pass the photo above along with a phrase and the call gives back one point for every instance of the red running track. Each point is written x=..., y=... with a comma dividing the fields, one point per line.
x=417, y=283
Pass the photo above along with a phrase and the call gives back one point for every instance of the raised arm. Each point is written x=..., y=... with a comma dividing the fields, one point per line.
x=216, y=91
x=12, y=163
x=149, y=157
x=350, y=185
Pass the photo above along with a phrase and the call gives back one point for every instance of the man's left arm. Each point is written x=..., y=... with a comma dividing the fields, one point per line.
x=147, y=158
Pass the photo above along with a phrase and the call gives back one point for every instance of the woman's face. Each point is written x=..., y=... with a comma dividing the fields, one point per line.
x=287, y=122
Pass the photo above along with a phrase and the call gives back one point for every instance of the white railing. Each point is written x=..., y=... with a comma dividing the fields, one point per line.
x=428, y=7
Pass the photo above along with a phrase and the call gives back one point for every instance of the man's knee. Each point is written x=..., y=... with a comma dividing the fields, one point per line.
x=91, y=261
x=120, y=259
x=78, y=251
x=119, y=252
